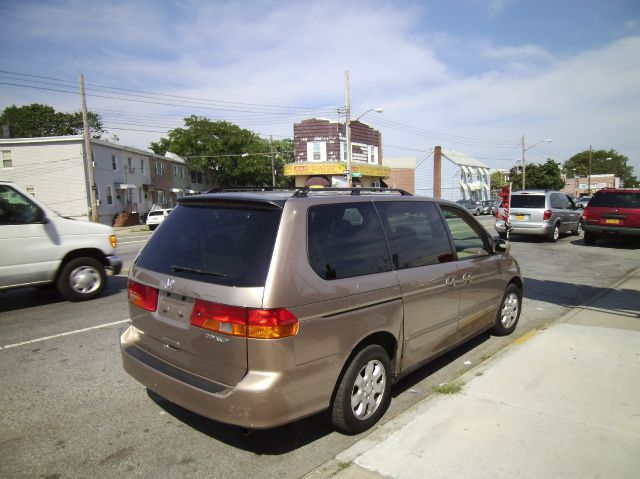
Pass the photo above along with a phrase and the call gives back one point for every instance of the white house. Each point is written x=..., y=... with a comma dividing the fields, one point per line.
x=461, y=176
x=54, y=169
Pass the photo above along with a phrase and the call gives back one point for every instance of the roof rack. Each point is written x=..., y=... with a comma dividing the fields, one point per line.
x=251, y=188
x=305, y=191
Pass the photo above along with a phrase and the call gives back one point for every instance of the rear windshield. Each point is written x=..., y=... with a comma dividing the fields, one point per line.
x=527, y=201
x=616, y=200
x=230, y=246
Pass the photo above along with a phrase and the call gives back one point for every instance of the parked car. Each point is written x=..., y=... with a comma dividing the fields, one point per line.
x=612, y=212
x=544, y=213
x=155, y=217
x=490, y=207
x=40, y=248
x=259, y=308
x=583, y=201
x=472, y=206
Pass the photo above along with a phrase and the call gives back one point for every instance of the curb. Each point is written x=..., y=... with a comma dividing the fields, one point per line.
x=344, y=462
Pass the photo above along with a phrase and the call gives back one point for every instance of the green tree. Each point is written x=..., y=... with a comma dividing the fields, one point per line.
x=238, y=156
x=35, y=120
x=602, y=162
x=497, y=180
x=545, y=176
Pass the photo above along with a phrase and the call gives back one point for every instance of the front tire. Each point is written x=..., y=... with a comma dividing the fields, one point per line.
x=509, y=312
x=363, y=393
x=578, y=229
x=81, y=279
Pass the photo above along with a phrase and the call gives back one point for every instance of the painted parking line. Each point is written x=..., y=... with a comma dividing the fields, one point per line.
x=68, y=333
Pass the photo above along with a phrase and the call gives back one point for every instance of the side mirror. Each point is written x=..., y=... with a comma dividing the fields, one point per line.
x=502, y=246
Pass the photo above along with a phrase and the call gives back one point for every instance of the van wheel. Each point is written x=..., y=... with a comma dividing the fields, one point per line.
x=578, y=229
x=364, y=391
x=509, y=312
x=81, y=279
x=555, y=233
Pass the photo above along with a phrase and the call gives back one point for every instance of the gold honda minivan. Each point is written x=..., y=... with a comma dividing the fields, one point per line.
x=260, y=308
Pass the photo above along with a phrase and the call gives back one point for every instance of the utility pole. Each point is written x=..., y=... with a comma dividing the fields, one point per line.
x=589, y=177
x=273, y=162
x=348, y=128
x=89, y=153
x=524, y=167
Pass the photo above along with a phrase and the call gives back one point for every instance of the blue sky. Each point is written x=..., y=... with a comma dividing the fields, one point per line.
x=470, y=75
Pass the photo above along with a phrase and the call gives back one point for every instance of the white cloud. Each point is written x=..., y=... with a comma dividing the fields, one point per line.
x=296, y=54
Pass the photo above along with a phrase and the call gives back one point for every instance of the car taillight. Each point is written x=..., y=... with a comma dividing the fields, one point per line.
x=247, y=322
x=143, y=296
x=113, y=240
x=547, y=215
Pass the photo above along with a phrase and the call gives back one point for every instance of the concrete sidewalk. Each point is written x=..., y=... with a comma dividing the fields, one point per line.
x=563, y=402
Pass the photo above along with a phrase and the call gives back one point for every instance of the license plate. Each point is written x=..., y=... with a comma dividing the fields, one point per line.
x=520, y=217
x=610, y=221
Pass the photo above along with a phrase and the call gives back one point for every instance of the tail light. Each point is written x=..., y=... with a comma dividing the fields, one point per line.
x=547, y=215
x=246, y=322
x=113, y=239
x=143, y=296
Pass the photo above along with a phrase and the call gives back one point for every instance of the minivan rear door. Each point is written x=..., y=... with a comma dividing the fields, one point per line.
x=210, y=254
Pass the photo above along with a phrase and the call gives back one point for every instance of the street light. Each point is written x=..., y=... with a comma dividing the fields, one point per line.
x=273, y=164
x=524, y=167
x=347, y=112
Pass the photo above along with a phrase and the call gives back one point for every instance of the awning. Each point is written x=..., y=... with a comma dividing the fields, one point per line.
x=464, y=186
x=317, y=181
x=126, y=186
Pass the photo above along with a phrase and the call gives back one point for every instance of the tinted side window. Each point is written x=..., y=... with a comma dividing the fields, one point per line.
x=346, y=240
x=214, y=244
x=467, y=240
x=16, y=209
x=416, y=233
x=559, y=201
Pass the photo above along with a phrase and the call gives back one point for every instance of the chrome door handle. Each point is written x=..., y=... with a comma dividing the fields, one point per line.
x=466, y=278
x=450, y=281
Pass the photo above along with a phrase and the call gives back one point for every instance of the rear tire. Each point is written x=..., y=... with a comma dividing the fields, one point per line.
x=81, y=279
x=589, y=238
x=509, y=312
x=363, y=393
x=555, y=233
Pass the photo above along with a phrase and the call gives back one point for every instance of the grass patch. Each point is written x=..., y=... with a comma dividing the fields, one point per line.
x=341, y=467
x=486, y=356
x=448, y=388
x=479, y=373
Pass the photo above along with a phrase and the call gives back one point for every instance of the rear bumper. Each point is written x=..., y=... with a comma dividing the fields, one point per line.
x=262, y=399
x=534, y=229
x=610, y=230
x=114, y=265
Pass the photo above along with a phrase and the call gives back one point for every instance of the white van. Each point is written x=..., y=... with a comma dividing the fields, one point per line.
x=39, y=248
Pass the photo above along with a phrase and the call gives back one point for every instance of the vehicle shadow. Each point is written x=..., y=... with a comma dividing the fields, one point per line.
x=275, y=441
x=22, y=298
x=622, y=301
x=419, y=375
x=612, y=242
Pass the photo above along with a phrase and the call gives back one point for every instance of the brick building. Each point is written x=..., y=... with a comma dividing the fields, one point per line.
x=321, y=155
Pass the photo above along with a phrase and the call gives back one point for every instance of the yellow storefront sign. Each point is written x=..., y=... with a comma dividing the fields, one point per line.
x=309, y=169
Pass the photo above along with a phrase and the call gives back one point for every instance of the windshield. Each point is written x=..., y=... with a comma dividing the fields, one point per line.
x=214, y=244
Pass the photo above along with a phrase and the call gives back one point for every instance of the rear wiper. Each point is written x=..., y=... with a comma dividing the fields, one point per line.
x=185, y=269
